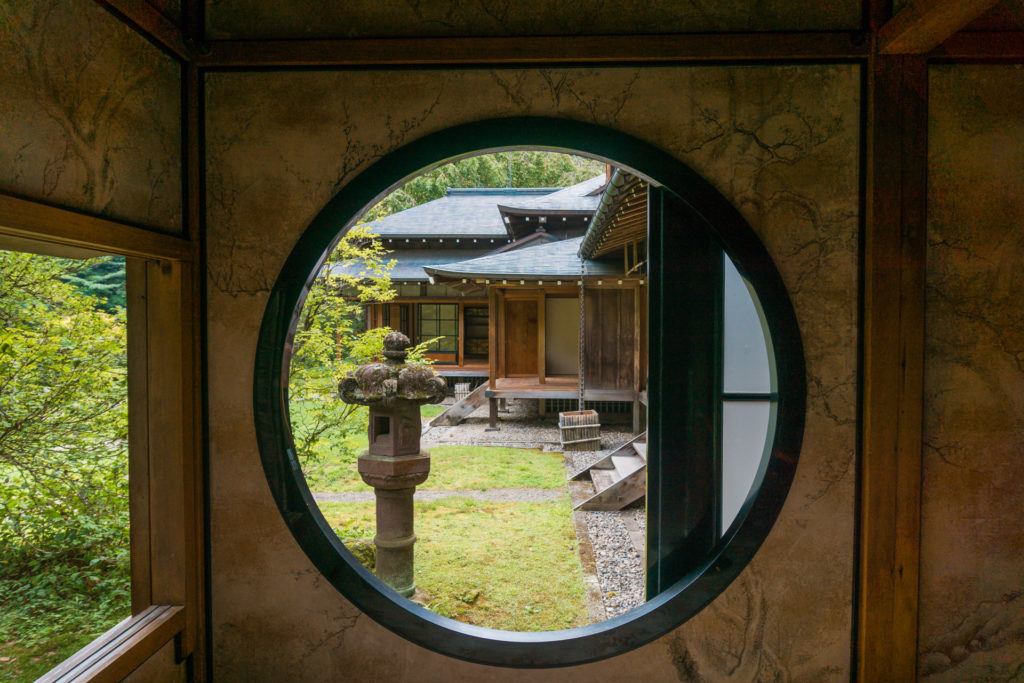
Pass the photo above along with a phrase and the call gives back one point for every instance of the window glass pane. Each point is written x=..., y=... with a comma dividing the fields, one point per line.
x=746, y=350
x=744, y=434
x=447, y=344
x=448, y=327
x=428, y=328
x=448, y=312
x=428, y=310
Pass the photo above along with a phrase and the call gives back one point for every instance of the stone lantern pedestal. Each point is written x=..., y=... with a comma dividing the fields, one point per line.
x=394, y=465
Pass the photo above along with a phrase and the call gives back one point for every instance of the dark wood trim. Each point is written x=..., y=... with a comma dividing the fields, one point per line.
x=982, y=46
x=920, y=29
x=26, y=218
x=122, y=649
x=193, y=346
x=687, y=47
x=893, y=359
x=147, y=20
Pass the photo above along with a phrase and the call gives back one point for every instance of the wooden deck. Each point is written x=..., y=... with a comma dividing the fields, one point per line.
x=556, y=386
x=461, y=370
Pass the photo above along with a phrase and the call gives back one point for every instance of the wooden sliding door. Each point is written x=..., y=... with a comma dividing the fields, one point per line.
x=520, y=337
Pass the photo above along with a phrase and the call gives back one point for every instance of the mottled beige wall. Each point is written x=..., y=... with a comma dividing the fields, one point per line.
x=373, y=18
x=972, y=552
x=781, y=143
x=89, y=113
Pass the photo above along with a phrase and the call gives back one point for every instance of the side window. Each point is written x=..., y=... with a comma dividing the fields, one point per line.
x=439, y=322
x=64, y=531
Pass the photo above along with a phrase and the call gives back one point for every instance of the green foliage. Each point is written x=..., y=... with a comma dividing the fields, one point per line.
x=501, y=169
x=63, y=463
x=330, y=341
x=102, y=278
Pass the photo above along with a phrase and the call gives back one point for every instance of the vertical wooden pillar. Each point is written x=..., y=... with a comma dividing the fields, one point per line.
x=492, y=336
x=893, y=359
x=541, y=335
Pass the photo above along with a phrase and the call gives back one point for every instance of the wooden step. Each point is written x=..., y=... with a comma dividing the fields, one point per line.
x=641, y=449
x=603, y=479
x=625, y=465
x=618, y=494
x=457, y=412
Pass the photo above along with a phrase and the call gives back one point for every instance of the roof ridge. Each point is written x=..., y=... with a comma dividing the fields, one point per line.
x=501, y=190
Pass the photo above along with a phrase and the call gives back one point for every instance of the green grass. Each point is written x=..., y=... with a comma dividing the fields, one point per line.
x=456, y=468
x=512, y=566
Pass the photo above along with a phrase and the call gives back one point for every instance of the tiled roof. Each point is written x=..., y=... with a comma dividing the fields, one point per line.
x=556, y=259
x=581, y=197
x=410, y=262
x=461, y=212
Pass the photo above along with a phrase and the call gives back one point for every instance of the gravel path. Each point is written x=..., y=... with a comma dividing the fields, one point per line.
x=518, y=427
x=615, y=537
x=513, y=495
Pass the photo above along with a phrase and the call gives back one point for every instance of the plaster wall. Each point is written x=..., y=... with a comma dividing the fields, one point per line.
x=972, y=541
x=780, y=142
x=90, y=113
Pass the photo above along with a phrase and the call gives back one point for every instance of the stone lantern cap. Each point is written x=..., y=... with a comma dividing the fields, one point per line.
x=382, y=384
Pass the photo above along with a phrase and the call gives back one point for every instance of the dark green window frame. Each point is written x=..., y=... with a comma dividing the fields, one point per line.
x=687, y=586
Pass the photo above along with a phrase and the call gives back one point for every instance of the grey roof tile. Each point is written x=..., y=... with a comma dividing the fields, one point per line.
x=410, y=262
x=556, y=259
x=461, y=212
x=582, y=197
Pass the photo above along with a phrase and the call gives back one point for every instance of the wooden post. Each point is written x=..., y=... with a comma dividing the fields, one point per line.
x=460, y=360
x=893, y=343
x=492, y=414
x=492, y=337
x=541, y=345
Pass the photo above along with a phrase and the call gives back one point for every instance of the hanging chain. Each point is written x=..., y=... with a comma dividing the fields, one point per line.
x=582, y=315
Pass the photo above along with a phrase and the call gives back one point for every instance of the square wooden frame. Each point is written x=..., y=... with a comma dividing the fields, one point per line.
x=165, y=472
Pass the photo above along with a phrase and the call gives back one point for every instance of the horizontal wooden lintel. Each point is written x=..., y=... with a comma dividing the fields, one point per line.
x=29, y=219
x=504, y=50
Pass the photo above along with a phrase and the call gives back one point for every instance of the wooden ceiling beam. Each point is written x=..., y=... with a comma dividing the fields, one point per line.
x=689, y=47
x=986, y=46
x=922, y=26
x=151, y=24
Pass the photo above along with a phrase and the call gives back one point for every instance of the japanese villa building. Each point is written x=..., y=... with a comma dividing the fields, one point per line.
x=495, y=275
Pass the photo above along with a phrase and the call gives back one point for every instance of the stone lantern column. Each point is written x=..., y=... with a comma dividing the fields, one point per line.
x=394, y=465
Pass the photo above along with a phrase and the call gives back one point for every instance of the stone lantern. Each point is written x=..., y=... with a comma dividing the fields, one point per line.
x=394, y=464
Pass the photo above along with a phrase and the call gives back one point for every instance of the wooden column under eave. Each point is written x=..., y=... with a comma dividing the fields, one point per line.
x=893, y=359
x=541, y=347
x=492, y=336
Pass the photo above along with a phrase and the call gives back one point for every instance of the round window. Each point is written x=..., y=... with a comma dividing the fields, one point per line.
x=539, y=420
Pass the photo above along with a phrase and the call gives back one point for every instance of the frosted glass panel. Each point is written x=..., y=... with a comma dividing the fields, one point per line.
x=744, y=434
x=746, y=351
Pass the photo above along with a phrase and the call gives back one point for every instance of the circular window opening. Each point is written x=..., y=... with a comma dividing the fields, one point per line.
x=607, y=365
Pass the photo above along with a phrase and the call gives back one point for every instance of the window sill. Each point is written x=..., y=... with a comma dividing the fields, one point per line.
x=121, y=650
